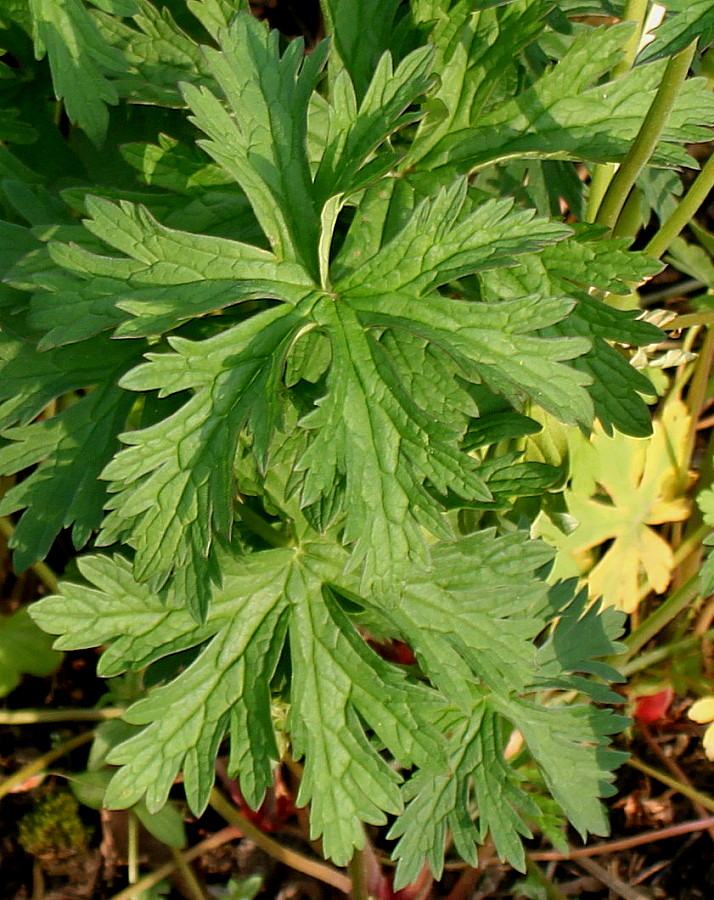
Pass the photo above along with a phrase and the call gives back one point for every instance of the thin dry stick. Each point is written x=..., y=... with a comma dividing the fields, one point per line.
x=42, y=762
x=675, y=769
x=148, y=881
x=282, y=854
x=616, y=885
x=647, y=837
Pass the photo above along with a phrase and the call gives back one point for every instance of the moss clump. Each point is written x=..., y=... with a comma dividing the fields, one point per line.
x=54, y=827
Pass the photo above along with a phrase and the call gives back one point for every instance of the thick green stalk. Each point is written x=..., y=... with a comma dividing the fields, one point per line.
x=647, y=138
x=635, y=11
x=676, y=603
x=683, y=214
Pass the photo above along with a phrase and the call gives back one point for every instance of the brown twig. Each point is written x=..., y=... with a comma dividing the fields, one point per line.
x=675, y=769
x=615, y=884
x=648, y=837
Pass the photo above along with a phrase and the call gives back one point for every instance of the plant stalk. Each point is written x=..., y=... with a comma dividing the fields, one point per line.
x=635, y=11
x=676, y=603
x=291, y=858
x=647, y=138
x=684, y=212
x=148, y=881
x=42, y=762
x=43, y=716
x=685, y=789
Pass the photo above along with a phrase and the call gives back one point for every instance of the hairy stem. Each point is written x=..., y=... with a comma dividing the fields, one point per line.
x=649, y=134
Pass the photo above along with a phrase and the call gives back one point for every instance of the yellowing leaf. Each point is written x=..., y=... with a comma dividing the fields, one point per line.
x=632, y=484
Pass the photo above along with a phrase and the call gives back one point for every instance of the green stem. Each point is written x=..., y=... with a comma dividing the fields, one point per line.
x=41, y=716
x=132, y=848
x=635, y=11
x=685, y=789
x=660, y=654
x=283, y=854
x=258, y=524
x=628, y=223
x=649, y=134
x=676, y=603
x=706, y=317
x=684, y=212
x=599, y=182
x=189, y=876
x=358, y=875
x=42, y=762
x=42, y=570
x=697, y=393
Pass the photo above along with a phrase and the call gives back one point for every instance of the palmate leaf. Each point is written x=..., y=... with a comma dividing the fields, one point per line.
x=569, y=114
x=571, y=268
x=71, y=448
x=349, y=706
x=171, y=275
x=176, y=477
x=338, y=685
x=80, y=59
x=477, y=55
x=478, y=726
x=158, y=55
x=348, y=21
x=266, y=120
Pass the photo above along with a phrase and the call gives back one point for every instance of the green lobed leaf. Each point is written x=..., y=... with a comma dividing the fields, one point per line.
x=69, y=451
x=265, y=120
x=570, y=114
x=348, y=20
x=175, y=478
x=686, y=21
x=82, y=62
